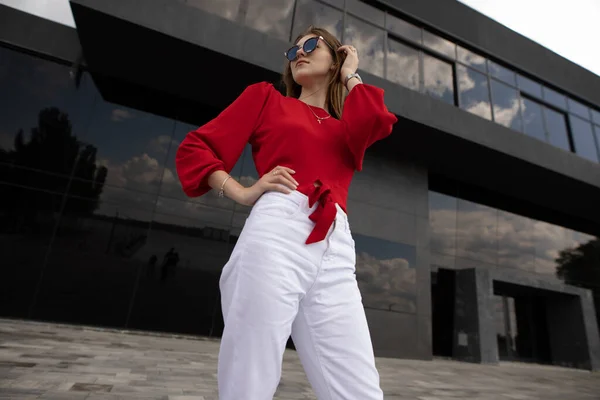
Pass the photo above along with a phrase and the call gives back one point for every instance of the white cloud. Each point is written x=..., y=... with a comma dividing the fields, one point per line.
x=119, y=115
x=161, y=144
x=495, y=236
x=567, y=28
x=506, y=115
x=386, y=284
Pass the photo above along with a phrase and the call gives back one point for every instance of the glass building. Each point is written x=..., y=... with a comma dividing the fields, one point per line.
x=476, y=222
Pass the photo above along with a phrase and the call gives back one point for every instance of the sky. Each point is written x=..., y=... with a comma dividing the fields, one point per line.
x=569, y=28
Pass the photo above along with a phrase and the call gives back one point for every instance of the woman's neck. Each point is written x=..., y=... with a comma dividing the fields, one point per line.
x=314, y=95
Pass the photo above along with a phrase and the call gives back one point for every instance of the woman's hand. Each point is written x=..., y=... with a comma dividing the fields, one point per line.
x=350, y=64
x=279, y=179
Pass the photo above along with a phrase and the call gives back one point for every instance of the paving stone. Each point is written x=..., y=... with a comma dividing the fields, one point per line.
x=62, y=362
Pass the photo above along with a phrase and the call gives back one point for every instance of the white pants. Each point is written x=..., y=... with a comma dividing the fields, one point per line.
x=275, y=285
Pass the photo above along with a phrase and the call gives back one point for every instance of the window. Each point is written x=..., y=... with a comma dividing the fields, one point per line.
x=583, y=138
x=529, y=86
x=596, y=117
x=471, y=59
x=403, y=29
x=365, y=11
x=403, y=64
x=474, y=95
x=506, y=105
x=273, y=17
x=442, y=222
x=533, y=119
x=554, y=98
x=228, y=9
x=556, y=126
x=477, y=232
x=368, y=40
x=579, y=109
x=503, y=74
x=437, y=80
x=597, y=136
x=313, y=12
x=439, y=44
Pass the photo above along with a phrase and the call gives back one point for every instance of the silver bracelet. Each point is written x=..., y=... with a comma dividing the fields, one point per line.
x=222, y=191
x=350, y=76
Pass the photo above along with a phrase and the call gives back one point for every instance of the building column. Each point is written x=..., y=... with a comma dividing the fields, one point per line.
x=474, y=329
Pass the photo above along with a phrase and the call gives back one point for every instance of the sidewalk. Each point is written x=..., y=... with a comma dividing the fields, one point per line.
x=48, y=361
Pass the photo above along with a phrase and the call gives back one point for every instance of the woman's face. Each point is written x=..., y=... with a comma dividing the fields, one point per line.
x=314, y=66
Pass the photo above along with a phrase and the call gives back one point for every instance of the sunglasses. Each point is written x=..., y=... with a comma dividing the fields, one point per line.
x=309, y=46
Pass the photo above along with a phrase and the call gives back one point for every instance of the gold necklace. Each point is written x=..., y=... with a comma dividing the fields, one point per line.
x=319, y=119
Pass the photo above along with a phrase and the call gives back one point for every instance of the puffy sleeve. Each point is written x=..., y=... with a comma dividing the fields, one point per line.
x=366, y=120
x=218, y=144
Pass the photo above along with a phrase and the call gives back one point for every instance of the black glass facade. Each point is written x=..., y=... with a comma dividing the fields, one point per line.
x=95, y=228
x=415, y=57
x=466, y=234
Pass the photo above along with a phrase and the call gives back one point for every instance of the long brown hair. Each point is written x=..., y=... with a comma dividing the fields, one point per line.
x=336, y=91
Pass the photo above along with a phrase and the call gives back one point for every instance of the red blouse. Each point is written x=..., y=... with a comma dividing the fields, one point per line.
x=283, y=131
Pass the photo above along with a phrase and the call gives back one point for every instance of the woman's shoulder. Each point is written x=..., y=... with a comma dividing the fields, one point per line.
x=263, y=87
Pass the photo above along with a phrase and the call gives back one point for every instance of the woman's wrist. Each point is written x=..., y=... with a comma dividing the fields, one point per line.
x=225, y=185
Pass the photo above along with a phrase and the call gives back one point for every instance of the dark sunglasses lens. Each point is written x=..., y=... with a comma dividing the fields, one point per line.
x=310, y=44
x=291, y=53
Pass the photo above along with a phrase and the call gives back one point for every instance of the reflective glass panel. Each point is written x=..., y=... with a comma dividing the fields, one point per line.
x=583, y=138
x=506, y=105
x=42, y=119
x=533, y=119
x=386, y=274
x=441, y=45
x=477, y=232
x=597, y=136
x=502, y=73
x=366, y=12
x=577, y=264
x=91, y=272
x=515, y=244
x=27, y=223
x=181, y=265
x=273, y=17
x=403, y=29
x=579, y=109
x=438, y=80
x=596, y=116
x=228, y=9
x=549, y=241
x=368, y=40
x=403, y=64
x=556, y=125
x=529, y=86
x=474, y=95
x=471, y=59
x=442, y=220
x=313, y=12
x=138, y=162
x=554, y=98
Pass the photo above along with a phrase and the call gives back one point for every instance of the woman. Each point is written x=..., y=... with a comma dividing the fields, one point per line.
x=292, y=269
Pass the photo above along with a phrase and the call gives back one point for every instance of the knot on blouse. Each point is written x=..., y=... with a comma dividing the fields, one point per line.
x=324, y=214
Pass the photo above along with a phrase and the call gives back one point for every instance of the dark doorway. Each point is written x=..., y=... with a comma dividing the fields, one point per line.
x=521, y=324
x=442, y=311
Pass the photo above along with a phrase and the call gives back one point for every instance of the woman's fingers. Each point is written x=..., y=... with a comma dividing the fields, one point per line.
x=284, y=180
